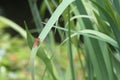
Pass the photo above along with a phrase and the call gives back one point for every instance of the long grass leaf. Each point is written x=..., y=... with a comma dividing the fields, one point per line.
x=112, y=18
x=35, y=14
x=48, y=6
x=30, y=38
x=93, y=49
x=47, y=28
x=107, y=59
x=13, y=25
x=42, y=55
x=54, y=18
x=48, y=62
x=95, y=35
x=116, y=4
x=70, y=54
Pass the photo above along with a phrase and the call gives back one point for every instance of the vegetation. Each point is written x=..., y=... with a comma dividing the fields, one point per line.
x=90, y=43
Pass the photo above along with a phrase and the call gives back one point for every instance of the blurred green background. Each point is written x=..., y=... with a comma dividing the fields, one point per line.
x=14, y=51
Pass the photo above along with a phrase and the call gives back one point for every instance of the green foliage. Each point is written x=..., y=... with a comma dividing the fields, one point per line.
x=100, y=30
x=13, y=60
x=6, y=22
x=96, y=57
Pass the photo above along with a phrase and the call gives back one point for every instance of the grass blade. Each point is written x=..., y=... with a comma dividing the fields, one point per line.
x=47, y=29
x=70, y=48
x=36, y=16
x=13, y=25
x=63, y=5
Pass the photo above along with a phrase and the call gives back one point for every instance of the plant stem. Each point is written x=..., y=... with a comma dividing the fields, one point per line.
x=70, y=48
x=36, y=15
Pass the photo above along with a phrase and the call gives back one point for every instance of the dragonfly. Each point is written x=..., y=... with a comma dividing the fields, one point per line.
x=36, y=42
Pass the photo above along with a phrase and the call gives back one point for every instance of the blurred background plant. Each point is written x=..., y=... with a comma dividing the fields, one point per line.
x=83, y=41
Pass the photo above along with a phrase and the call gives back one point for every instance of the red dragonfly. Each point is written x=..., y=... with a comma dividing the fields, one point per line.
x=36, y=42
